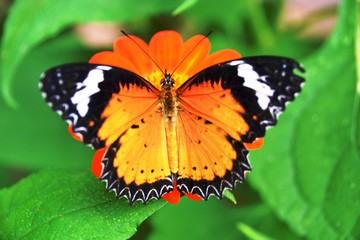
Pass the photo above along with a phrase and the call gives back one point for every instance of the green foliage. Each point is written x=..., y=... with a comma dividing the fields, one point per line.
x=216, y=219
x=251, y=233
x=65, y=203
x=27, y=26
x=305, y=181
x=316, y=158
x=30, y=128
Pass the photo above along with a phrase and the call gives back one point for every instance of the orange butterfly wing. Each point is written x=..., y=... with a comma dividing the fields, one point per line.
x=211, y=155
x=136, y=164
x=224, y=111
x=116, y=111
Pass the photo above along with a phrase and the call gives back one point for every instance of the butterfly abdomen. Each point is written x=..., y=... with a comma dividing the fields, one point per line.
x=171, y=144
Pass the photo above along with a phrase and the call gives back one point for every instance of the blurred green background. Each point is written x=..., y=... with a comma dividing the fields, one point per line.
x=305, y=182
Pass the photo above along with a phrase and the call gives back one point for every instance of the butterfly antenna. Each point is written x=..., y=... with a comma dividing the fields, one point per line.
x=187, y=55
x=146, y=53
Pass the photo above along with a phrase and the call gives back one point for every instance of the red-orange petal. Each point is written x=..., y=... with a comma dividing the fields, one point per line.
x=76, y=136
x=172, y=197
x=256, y=144
x=195, y=51
x=193, y=197
x=216, y=58
x=219, y=57
x=112, y=59
x=136, y=51
x=168, y=51
x=96, y=166
x=165, y=47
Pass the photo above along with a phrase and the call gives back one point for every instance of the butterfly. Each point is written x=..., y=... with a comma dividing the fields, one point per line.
x=167, y=118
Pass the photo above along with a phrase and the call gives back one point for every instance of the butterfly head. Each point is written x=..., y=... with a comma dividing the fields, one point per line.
x=167, y=83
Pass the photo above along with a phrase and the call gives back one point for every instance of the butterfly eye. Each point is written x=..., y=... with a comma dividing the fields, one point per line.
x=167, y=82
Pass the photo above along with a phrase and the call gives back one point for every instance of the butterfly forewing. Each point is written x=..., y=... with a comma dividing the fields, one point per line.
x=85, y=95
x=223, y=108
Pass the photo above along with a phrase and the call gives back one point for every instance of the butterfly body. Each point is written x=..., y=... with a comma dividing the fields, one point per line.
x=189, y=133
x=168, y=98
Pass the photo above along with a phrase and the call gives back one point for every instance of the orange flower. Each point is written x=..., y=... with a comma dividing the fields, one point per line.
x=169, y=51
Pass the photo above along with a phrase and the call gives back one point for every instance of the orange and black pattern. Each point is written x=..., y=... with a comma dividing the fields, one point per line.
x=199, y=146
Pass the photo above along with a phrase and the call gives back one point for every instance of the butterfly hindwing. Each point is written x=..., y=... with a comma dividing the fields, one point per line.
x=136, y=165
x=207, y=154
x=223, y=108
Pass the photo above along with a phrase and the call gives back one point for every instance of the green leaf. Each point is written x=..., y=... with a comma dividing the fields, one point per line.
x=263, y=33
x=229, y=195
x=217, y=219
x=251, y=233
x=5, y=178
x=55, y=203
x=27, y=26
x=186, y=4
x=36, y=137
x=212, y=13
x=356, y=124
x=308, y=168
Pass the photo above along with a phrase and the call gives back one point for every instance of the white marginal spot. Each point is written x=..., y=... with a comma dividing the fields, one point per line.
x=56, y=97
x=80, y=129
x=254, y=81
x=236, y=62
x=73, y=118
x=65, y=107
x=105, y=68
x=89, y=87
